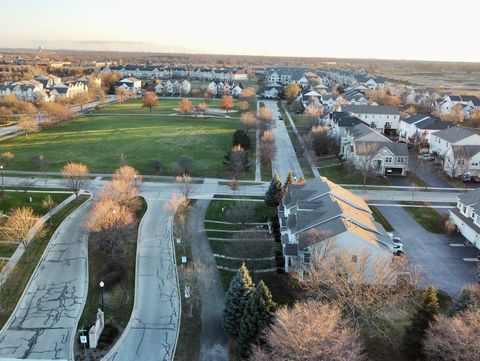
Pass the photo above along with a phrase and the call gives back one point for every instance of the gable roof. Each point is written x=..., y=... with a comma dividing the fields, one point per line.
x=370, y=109
x=454, y=134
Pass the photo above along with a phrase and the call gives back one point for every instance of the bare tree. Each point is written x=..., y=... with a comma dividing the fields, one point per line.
x=236, y=161
x=110, y=220
x=76, y=176
x=28, y=126
x=41, y=162
x=243, y=106
x=184, y=185
x=267, y=148
x=49, y=204
x=367, y=289
x=6, y=158
x=265, y=117
x=149, y=100
x=365, y=153
x=18, y=227
x=321, y=141
x=202, y=107
x=129, y=175
x=190, y=277
x=310, y=331
x=121, y=94
x=454, y=338
x=249, y=94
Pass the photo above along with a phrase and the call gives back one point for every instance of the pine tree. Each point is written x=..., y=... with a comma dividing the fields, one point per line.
x=274, y=193
x=415, y=333
x=240, y=137
x=467, y=299
x=236, y=300
x=258, y=315
x=289, y=180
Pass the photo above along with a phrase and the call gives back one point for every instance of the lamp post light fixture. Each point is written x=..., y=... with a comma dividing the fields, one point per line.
x=102, y=285
x=1, y=170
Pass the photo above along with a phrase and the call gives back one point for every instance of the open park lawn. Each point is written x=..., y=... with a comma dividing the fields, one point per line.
x=165, y=106
x=99, y=140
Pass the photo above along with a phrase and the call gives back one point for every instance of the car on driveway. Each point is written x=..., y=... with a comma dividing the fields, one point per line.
x=397, y=245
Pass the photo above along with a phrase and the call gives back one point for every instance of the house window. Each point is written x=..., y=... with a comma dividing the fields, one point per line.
x=306, y=257
x=400, y=159
x=473, y=215
x=373, y=125
x=388, y=159
x=464, y=211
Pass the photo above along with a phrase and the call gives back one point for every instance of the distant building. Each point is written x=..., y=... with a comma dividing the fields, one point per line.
x=130, y=84
x=384, y=119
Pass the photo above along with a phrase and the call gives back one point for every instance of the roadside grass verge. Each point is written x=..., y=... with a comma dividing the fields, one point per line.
x=117, y=271
x=13, y=287
x=378, y=216
x=340, y=175
x=427, y=217
x=11, y=200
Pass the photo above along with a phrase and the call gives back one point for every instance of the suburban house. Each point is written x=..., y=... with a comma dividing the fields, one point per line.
x=320, y=212
x=48, y=80
x=28, y=90
x=467, y=103
x=466, y=216
x=68, y=89
x=462, y=160
x=371, y=82
x=442, y=140
x=271, y=91
x=366, y=148
x=418, y=128
x=341, y=122
x=385, y=119
x=131, y=84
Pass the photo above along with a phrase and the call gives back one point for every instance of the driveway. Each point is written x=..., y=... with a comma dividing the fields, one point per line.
x=213, y=343
x=151, y=333
x=43, y=326
x=443, y=264
x=286, y=158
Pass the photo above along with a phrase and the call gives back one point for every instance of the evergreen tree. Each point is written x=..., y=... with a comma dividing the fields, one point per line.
x=289, y=180
x=423, y=315
x=258, y=315
x=274, y=194
x=240, y=137
x=467, y=299
x=236, y=300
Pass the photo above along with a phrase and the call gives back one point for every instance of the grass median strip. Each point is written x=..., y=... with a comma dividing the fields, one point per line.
x=427, y=217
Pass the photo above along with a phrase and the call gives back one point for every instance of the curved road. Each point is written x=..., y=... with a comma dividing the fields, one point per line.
x=152, y=330
x=43, y=324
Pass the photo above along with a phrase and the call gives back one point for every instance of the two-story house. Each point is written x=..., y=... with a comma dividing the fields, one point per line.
x=365, y=147
x=418, y=128
x=335, y=216
x=442, y=140
x=466, y=216
x=384, y=119
x=462, y=160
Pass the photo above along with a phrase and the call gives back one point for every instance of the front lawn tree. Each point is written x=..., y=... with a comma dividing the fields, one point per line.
x=28, y=126
x=76, y=176
x=265, y=117
x=226, y=103
x=49, y=204
x=366, y=152
x=18, y=227
x=267, y=148
x=149, y=100
x=236, y=299
x=292, y=91
x=185, y=106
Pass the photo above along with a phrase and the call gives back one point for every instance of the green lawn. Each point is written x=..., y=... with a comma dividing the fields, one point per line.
x=427, y=217
x=165, y=106
x=339, y=174
x=19, y=199
x=101, y=140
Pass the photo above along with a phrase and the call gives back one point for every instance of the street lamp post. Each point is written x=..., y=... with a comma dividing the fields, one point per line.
x=102, y=285
x=1, y=170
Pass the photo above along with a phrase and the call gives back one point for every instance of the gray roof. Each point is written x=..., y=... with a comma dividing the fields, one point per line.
x=454, y=134
x=470, y=198
x=370, y=109
x=465, y=151
x=398, y=149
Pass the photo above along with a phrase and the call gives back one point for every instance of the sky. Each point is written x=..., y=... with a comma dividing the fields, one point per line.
x=390, y=29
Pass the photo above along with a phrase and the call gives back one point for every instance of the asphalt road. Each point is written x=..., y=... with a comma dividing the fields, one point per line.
x=43, y=324
x=286, y=159
x=442, y=264
x=152, y=330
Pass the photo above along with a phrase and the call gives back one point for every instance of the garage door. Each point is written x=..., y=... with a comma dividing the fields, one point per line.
x=393, y=171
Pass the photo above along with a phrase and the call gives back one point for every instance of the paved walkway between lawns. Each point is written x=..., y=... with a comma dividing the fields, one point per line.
x=214, y=344
x=43, y=324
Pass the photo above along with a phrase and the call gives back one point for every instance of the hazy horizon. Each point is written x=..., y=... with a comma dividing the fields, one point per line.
x=409, y=30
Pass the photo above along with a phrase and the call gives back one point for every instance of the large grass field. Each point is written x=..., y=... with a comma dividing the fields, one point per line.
x=100, y=140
